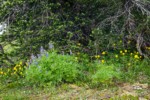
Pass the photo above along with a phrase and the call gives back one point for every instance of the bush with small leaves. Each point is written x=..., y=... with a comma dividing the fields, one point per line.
x=52, y=68
x=104, y=74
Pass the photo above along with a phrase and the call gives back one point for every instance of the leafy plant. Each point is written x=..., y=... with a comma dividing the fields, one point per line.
x=104, y=74
x=53, y=68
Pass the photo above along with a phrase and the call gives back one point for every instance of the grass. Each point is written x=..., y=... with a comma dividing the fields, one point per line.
x=71, y=92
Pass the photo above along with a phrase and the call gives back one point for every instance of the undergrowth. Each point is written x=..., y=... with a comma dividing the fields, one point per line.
x=50, y=68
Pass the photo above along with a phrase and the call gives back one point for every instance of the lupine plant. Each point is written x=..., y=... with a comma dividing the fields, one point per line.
x=50, y=67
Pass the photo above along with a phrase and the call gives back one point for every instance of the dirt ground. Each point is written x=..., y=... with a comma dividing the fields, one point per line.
x=125, y=91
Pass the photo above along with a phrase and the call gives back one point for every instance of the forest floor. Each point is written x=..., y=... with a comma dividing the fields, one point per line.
x=125, y=91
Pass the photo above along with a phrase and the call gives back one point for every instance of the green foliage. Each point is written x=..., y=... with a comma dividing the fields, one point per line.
x=96, y=24
x=104, y=74
x=108, y=31
x=129, y=64
x=54, y=68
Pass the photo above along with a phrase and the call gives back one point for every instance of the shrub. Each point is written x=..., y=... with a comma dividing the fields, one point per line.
x=53, y=68
x=104, y=74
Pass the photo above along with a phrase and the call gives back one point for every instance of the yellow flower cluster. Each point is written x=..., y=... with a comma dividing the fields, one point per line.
x=97, y=56
x=18, y=69
x=123, y=52
x=135, y=54
x=14, y=72
x=2, y=73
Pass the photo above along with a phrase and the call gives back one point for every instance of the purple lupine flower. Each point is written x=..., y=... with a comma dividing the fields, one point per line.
x=33, y=57
x=42, y=50
x=71, y=52
x=39, y=56
x=33, y=60
x=51, y=46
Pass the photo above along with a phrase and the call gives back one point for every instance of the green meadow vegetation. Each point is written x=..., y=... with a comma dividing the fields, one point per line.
x=71, y=50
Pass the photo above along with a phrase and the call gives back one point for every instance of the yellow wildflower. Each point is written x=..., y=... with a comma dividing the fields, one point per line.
x=136, y=56
x=131, y=54
x=103, y=53
x=78, y=53
x=121, y=51
x=97, y=56
x=123, y=54
x=2, y=72
x=116, y=56
x=103, y=61
x=125, y=51
x=15, y=68
x=78, y=44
